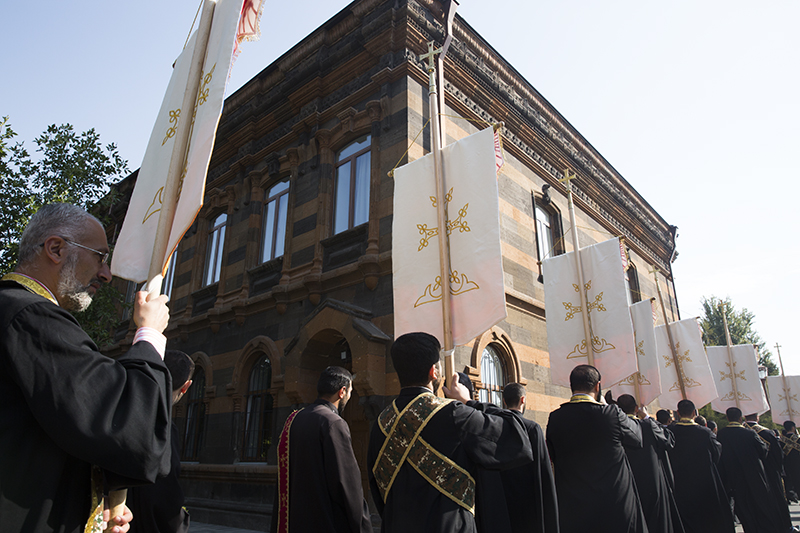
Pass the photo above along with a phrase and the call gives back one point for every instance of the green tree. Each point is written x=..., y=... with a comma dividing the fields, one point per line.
x=740, y=325
x=69, y=167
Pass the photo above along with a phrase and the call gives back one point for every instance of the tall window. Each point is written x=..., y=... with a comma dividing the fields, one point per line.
x=277, y=204
x=545, y=236
x=351, y=206
x=166, y=285
x=195, y=416
x=632, y=278
x=216, y=242
x=492, y=376
x=258, y=416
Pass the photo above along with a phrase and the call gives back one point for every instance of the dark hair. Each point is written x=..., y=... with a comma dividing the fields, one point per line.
x=788, y=425
x=583, y=378
x=413, y=354
x=712, y=425
x=180, y=366
x=332, y=380
x=753, y=417
x=627, y=403
x=686, y=408
x=734, y=414
x=464, y=380
x=663, y=416
x=701, y=420
x=513, y=393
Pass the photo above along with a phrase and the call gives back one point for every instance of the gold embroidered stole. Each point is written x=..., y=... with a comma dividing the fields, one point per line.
x=283, y=475
x=790, y=444
x=404, y=444
x=32, y=285
x=758, y=429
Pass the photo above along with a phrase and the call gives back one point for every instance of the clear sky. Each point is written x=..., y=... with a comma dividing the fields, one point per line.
x=694, y=103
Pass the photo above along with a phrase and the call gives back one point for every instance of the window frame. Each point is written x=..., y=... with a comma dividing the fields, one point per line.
x=352, y=159
x=490, y=391
x=281, y=199
x=215, y=245
x=195, y=416
x=263, y=397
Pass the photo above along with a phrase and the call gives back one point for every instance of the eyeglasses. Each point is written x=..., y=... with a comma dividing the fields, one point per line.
x=103, y=255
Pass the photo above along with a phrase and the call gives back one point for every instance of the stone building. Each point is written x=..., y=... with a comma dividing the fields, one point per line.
x=288, y=267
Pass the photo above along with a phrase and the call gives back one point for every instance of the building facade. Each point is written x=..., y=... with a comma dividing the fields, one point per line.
x=288, y=267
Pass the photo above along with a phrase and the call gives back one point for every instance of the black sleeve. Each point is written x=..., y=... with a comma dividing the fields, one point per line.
x=493, y=441
x=113, y=414
x=630, y=429
x=344, y=477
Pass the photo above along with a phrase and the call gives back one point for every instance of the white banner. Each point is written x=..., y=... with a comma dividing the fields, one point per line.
x=691, y=355
x=649, y=380
x=745, y=371
x=783, y=399
x=134, y=248
x=606, y=295
x=476, y=277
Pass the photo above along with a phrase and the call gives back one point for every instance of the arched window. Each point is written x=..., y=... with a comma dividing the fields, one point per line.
x=216, y=243
x=195, y=416
x=351, y=194
x=492, y=377
x=276, y=203
x=258, y=413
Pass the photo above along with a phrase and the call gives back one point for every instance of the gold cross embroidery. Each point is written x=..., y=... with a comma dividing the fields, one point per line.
x=683, y=358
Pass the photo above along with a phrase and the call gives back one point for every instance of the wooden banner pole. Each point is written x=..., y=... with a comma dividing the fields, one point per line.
x=731, y=362
x=675, y=360
x=177, y=164
x=169, y=196
x=587, y=327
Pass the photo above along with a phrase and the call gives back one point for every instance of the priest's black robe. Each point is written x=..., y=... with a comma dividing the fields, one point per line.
x=791, y=462
x=594, y=482
x=325, y=492
x=699, y=493
x=745, y=478
x=773, y=466
x=663, y=456
x=522, y=499
x=465, y=435
x=658, y=502
x=158, y=508
x=64, y=406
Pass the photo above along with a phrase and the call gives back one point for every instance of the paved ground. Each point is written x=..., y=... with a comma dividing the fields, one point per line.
x=197, y=527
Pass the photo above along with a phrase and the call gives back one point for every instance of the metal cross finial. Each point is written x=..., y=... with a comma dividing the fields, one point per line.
x=567, y=179
x=431, y=66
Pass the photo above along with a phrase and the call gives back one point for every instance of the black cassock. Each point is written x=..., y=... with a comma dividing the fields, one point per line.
x=791, y=462
x=465, y=435
x=595, y=485
x=325, y=492
x=699, y=493
x=773, y=466
x=743, y=472
x=522, y=499
x=658, y=502
x=158, y=508
x=64, y=406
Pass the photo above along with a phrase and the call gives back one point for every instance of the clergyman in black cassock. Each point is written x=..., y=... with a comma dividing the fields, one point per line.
x=587, y=440
x=70, y=416
x=448, y=441
x=699, y=492
x=773, y=466
x=158, y=507
x=319, y=482
x=791, y=456
x=522, y=499
x=745, y=478
x=658, y=502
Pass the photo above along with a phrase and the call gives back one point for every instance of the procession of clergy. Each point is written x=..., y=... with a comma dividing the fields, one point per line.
x=457, y=465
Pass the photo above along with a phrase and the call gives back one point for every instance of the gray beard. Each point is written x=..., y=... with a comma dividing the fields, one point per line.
x=74, y=296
